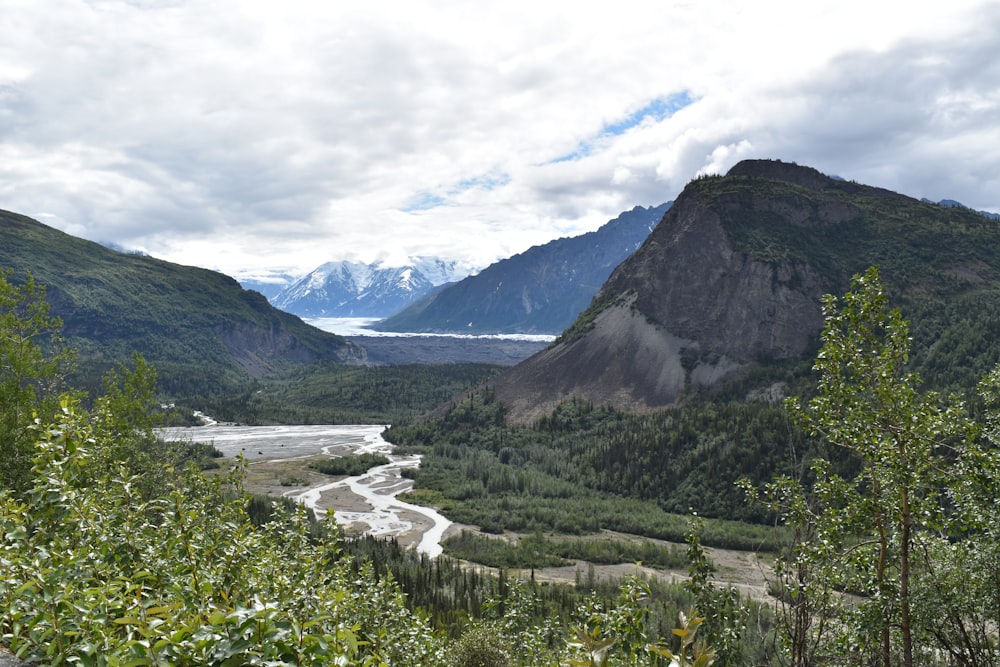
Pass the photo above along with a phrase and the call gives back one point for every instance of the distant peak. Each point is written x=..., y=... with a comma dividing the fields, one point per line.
x=806, y=177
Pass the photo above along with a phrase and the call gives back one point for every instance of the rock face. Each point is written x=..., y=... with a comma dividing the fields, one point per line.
x=691, y=281
x=732, y=278
x=690, y=310
x=7, y=660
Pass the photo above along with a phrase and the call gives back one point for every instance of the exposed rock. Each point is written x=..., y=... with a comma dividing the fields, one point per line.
x=8, y=660
x=732, y=279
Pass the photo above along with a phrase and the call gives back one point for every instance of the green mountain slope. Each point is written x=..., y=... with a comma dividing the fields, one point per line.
x=197, y=326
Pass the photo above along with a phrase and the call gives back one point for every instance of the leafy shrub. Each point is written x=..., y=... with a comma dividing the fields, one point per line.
x=92, y=571
x=478, y=647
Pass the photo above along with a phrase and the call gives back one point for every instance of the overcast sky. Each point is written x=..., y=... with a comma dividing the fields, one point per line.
x=272, y=136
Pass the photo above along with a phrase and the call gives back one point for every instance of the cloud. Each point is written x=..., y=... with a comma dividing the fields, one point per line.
x=652, y=112
x=254, y=136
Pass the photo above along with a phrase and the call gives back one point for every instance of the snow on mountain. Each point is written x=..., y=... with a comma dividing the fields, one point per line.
x=355, y=289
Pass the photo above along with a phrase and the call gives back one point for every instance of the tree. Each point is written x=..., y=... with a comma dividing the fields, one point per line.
x=31, y=374
x=870, y=405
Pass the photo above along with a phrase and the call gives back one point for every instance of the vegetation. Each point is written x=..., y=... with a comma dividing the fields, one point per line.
x=584, y=469
x=32, y=364
x=918, y=518
x=95, y=571
x=536, y=550
x=328, y=393
x=349, y=465
x=185, y=320
x=940, y=264
x=100, y=567
x=112, y=553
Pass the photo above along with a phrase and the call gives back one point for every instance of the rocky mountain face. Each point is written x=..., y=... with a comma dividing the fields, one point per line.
x=539, y=291
x=187, y=321
x=731, y=280
x=356, y=289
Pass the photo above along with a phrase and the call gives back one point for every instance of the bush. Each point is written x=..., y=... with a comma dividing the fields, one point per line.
x=92, y=571
x=478, y=647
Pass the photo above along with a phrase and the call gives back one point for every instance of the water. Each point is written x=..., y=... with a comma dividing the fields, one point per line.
x=360, y=326
x=378, y=487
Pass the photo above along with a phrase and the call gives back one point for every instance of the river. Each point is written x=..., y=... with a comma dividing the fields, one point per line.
x=385, y=515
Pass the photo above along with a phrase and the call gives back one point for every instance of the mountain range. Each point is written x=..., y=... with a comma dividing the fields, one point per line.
x=541, y=290
x=726, y=291
x=356, y=289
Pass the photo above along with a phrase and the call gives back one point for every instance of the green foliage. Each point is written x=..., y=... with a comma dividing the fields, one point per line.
x=537, y=550
x=584, y=469
x=478, y=647
x=725, y=612
x=192, y=323
x=32, y=362
x=339, y=394
x=96, y=572
x=898, y=533
x=692, y=652
x=349, y=465
x=616, y=636
x=941, y=264
x=529, y=552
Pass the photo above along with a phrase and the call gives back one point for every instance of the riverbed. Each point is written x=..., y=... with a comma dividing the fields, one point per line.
x=365, y=503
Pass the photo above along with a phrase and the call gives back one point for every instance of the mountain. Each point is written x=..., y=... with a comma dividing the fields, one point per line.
x=195, y=325
x=541, y=290
x=951, y=203
x=729, y=285
x=270, y=287
x=355, y=289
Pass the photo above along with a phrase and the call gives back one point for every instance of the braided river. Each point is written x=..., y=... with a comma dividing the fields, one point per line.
x=367, y=500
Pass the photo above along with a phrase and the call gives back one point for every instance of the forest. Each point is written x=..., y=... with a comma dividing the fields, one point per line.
x=114, y=550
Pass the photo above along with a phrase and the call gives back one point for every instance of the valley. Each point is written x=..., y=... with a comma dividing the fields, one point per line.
x=743, y=380
x=279, y=459
x=398, y=348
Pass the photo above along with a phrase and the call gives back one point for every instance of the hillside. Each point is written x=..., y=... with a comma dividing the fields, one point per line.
x=541, y=290
x=197, y=326
x=730, y=281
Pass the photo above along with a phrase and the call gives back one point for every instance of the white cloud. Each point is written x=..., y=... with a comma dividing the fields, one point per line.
x=257, y=136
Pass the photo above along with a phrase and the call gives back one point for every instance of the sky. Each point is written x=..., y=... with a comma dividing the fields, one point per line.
x=261, y=138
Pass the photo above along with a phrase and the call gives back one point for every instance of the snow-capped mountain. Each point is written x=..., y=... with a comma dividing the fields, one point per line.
x=356, y=289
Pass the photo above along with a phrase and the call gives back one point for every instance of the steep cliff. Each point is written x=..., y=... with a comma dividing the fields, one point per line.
x=731, y=279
